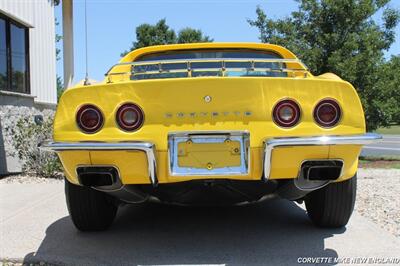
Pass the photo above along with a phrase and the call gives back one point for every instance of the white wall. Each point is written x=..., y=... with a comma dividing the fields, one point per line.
x=38, y=14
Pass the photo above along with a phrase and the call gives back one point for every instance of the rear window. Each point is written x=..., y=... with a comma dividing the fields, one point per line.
x=209, y=54
x=242, y=65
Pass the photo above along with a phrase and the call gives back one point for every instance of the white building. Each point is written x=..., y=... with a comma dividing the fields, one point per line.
x=27, y=61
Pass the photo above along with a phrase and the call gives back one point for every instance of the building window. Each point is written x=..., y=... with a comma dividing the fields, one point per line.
x=3, y=55
x=14, y=56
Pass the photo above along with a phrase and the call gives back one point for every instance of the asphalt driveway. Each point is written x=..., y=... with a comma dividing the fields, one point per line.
x=35, y=227
x=388, y=146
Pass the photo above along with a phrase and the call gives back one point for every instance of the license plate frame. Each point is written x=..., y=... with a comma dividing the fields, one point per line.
x=174, y=139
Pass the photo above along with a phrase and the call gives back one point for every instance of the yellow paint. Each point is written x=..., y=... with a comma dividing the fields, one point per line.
x=209, y=155
x=231, y=97
x=132, y=165
x=72, y=159
x=349, y=154
x=286, y=161
x=132, y=56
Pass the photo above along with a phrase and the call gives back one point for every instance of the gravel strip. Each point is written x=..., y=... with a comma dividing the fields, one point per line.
x=378, y=197
x=27, y=179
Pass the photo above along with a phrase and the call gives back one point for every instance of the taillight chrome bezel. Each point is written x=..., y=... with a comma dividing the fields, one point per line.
x=334, y=122
x=292, y=104
x=119, y=114
x=79, y=114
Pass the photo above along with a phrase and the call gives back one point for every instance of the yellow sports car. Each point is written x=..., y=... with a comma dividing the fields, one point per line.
x=210, y=123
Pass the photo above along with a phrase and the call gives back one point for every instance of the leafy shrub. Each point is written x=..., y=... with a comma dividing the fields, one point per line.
x=26, y=136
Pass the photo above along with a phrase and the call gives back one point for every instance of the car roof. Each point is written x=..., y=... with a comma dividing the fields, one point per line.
x=131, y=56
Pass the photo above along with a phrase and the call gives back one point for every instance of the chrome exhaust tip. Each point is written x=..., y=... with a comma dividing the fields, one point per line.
x=97, y=176
x=313, y=174
x=318, y=173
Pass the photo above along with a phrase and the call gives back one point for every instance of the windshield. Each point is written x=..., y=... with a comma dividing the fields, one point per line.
x=201, y=63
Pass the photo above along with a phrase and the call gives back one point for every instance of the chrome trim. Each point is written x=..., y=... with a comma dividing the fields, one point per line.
x=203, y=136
x=189, y=67
x=147, y=147
x=271, y=144
x=285, y=99
x=315, y=110
x=300, y=177
x=117, y=119
x=209, y=133
x=97, y=109
x=102, y=165
x=324, y=160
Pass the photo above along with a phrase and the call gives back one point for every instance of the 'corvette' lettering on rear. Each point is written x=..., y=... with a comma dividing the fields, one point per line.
x=207, y=114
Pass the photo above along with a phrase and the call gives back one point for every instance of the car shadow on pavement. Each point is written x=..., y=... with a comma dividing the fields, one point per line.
x=272, y=232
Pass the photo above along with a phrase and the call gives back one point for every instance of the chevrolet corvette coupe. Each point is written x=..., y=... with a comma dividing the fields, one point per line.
x=210, y=123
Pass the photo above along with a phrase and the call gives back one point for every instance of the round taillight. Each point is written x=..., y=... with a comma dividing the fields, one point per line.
x=286, y=113
x=327, y=113
x=130, y=117
x=89, y=118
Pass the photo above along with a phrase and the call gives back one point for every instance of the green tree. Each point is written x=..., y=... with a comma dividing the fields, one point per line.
x=58, y=39
x=189, y=35
x=60, y=87
x=147, y=35
x=59, y=84
x=389, y=83
x=161, y=33
x=340, y=36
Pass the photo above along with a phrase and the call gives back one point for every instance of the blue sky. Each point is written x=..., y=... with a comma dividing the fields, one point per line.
x=112, y=23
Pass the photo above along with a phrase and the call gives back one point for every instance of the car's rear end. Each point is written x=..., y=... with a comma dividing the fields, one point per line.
x=241, y=120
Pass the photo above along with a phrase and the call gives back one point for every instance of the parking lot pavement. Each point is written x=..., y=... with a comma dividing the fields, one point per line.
x=35, y=227
x=388, y=146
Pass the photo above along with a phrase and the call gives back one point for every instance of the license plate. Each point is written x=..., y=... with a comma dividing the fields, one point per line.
x=209, y=154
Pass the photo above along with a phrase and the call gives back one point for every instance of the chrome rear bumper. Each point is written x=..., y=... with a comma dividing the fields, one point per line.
x=147, y=147
x=271, y=144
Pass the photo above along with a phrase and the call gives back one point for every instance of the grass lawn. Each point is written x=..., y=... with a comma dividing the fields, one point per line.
x=390, y=130
x=380, y=162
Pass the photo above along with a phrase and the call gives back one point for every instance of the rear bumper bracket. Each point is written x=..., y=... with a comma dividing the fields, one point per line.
x=147, y=147
x=271, y=144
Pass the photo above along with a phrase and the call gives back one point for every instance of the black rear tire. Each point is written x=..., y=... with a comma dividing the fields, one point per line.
x=90, y=210
x=332, y=205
